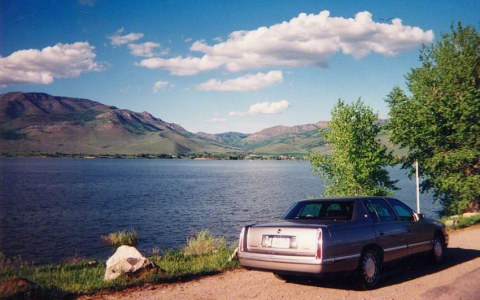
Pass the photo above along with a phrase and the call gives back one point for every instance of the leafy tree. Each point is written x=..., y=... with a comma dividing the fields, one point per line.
x=440, y=122
x=356, y=166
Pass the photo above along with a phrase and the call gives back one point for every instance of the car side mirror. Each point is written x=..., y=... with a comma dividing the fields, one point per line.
x=418, y=217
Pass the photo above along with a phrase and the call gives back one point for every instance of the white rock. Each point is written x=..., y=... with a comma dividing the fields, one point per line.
x=122, y=253
x=125, y=260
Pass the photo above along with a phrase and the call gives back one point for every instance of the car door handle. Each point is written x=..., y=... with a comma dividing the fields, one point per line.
x=381, y=233
x=409, y=230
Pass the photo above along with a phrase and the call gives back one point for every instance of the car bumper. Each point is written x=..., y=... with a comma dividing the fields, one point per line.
x=296, y=264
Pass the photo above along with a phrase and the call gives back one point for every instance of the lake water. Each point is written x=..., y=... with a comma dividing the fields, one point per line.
x=55, y=209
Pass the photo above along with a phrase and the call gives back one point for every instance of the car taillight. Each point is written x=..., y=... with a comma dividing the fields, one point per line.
x=319, y=243
x=240, y=242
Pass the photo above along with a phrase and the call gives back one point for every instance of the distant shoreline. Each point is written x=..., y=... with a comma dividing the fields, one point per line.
x=203, y=156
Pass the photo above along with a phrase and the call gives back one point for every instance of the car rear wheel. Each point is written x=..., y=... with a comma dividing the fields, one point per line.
x=370, y=268
x=438, y=248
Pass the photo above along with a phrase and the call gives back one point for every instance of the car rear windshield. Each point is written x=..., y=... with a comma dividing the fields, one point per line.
x=321, y=210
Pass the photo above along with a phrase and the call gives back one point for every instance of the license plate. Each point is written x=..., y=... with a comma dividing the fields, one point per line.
x=276, y=242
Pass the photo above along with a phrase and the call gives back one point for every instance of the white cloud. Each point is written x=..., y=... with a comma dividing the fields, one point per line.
x=249, y=82
x=306, y=40
x=35, y=66
x=181, y=66
x=117, y=39
x=145, y=49
x=159, y=85
x=265, y=108
x=268, y=107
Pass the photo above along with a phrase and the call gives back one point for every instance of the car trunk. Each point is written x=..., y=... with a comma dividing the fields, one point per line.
x=285, y=238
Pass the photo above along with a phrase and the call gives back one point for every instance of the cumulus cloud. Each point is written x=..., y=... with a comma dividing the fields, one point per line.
x=159, y=85
x=181, y=66
x=268, y=108
x=306, y=40
x=117, y=39
x=249, y=82
x=264, y=108
x=35, y=66
x=145, y=49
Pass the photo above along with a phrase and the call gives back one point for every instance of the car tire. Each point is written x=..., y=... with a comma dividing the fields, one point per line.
x=438, y=248
x=370, y=268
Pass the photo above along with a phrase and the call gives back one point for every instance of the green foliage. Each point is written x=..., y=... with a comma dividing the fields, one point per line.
x=55, y=281
x=177, y=264
x=439, y=123
x=123, y=237
x=356, y=166
x=60, y=281
x=204, y=242
x=86, y=277
x=467, y=222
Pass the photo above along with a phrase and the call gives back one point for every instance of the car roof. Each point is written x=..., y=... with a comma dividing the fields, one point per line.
x=353, y=198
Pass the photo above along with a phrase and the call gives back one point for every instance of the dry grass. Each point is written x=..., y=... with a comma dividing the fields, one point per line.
x=204, y=242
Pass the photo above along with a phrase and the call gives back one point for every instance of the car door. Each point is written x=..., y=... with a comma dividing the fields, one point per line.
x=420, y=234
x=390, y=233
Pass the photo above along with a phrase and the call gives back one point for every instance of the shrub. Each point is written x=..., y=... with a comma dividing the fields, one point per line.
x=203, y=243
x=467, y=221
x=123, y=237
x=462, y=222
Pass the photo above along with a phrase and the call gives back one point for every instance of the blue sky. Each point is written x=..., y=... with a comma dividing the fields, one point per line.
x=218, y=66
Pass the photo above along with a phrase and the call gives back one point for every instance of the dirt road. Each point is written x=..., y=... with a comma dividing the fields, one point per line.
x=457, y=278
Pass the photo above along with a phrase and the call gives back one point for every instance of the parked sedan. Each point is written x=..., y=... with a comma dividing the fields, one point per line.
x=322, y=236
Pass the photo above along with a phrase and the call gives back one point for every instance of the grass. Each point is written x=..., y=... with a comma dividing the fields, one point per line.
x=204, y=242
x=123, y=237
x=462, y=222
x=177, y=265
x=84, y=277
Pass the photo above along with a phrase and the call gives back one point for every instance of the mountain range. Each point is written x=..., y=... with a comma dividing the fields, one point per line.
x=41, y=123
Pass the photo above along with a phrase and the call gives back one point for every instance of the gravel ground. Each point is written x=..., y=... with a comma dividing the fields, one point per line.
x=458, y=277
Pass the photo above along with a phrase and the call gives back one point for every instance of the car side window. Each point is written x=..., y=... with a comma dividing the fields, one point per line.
x=404, y=212
x=371, y=210
x=384, y=210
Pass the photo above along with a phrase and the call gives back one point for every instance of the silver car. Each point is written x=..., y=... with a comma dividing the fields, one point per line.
x=322, y=236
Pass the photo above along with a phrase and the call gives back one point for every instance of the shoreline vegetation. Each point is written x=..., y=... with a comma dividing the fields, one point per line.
x=203, y=255
x=127, y=237
x=201, y=156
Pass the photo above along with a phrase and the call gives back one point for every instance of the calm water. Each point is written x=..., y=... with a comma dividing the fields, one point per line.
x=55, y=209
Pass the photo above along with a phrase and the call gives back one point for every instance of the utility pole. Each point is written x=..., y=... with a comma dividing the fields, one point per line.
x=418, y=187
